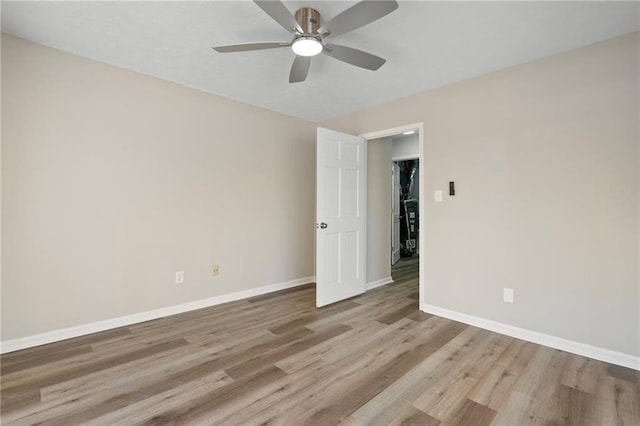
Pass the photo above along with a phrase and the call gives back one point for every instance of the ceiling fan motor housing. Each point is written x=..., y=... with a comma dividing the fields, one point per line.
x=309, y=20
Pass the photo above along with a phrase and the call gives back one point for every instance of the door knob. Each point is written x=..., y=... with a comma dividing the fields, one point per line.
x=321, y=225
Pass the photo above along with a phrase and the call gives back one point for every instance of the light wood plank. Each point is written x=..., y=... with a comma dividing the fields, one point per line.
x=277, y=359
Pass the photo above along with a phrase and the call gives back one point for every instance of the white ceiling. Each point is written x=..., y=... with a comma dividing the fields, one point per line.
x=426, y=44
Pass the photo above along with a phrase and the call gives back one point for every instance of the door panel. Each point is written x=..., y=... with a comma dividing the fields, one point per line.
x=341, y=195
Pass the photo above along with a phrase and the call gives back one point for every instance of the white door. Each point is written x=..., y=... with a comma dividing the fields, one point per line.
x=340, y=216
x=395, y=213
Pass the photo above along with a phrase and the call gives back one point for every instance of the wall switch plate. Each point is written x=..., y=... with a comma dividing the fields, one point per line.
x=179, y=277
x=507, y=295
x=437, y=195
x=215, y=271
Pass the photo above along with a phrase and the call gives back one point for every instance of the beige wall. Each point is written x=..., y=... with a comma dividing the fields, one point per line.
x=378, y=209
x=545, y=159
x=112, y=181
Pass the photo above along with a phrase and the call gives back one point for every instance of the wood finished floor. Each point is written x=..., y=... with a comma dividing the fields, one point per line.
x=277, y=360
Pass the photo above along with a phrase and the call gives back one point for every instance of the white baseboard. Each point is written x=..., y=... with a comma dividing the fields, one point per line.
x=378, y=283
x=566, y=345
x=94, y=327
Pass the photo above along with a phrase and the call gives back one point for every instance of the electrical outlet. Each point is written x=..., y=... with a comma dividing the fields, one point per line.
x=215, y=271
x=179, y=277
x=507, y=295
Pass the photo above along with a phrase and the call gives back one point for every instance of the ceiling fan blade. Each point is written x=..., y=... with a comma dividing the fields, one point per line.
x=358, y=15
x=354, y=56
x=243, y=47
x=279, y=13
x=299, y=69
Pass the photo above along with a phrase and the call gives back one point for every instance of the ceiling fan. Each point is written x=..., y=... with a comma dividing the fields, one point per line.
x=309, y=34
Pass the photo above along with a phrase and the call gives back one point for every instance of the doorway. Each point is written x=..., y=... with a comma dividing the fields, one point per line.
x=406, y=208
x=347, y=251
x=405, y=214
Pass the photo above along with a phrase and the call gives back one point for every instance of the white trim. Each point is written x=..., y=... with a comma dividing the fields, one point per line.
x=94, y=327
x=574, y=347
x=406, y=157
x=378, y=283
x=393, y=131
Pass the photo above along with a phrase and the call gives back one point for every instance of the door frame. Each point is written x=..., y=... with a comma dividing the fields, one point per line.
x=405, y=158
x=393, y=208
x=419, y=127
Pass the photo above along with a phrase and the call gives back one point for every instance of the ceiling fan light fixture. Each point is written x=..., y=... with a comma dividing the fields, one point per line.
x=307, y=46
